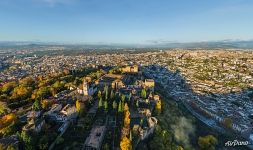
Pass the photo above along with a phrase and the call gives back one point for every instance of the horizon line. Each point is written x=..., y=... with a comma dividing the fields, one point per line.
x=149, y=42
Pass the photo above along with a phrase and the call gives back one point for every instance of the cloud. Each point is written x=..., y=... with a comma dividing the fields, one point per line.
x=161, y=41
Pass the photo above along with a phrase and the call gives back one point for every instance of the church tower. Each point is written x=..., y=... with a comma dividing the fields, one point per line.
x=85, y=88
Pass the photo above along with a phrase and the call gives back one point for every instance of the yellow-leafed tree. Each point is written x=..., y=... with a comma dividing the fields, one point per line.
x=159, y=106
x=126, y=108
x=44, y=103
x=127, y=116
x=125, y=144
x=78, y=106
x=7, y=119
x=180, y=148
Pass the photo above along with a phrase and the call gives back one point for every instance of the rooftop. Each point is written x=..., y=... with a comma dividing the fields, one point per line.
x=96, y=137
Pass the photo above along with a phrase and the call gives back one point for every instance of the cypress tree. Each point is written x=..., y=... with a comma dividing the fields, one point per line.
x=120, y=107
x=106, y=105
x=114, y=105
x=100, y=103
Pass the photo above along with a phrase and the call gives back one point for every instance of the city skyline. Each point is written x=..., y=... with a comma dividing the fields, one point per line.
x=126, y=22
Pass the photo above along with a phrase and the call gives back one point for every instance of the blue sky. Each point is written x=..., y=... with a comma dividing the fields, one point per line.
x=125, y=21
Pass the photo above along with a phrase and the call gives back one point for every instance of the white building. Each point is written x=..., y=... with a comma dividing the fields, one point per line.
x=88, y=89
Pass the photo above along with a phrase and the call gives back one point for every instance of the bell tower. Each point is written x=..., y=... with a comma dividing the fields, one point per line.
x=85, y=87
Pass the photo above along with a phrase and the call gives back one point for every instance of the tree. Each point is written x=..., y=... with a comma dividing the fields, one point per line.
x=120, y=107
x=114, y=105
x=227, y=122
x=3, y=97
x=106, y=147
x=7, y=120
x=26, y=140
x=44, y=103
x=2, y=146
x=43, y=143
x=27, y=82
x=112, y=94
x=78, y=106
x=106, y=105
x=127, y=119
x=34, y=94
x=40, y=78
x=59, y=140
x=99, y=94
x=8, y=87
x=143, y=93
x=158, y=106
x=126, y=116
x=100, y=103
x=41, y=93
x=8, y=129
x=77, y=81
x=123, y=97
x=141, y=121
x=21, y=92
x=208, y=142
x=58, y=86
x=11, y=147
x=106, y=95
x=125, y=144
x=137, y=104
x=180, y=148
x=53, y=91
x=162, y=139
x=129, y=97
x=106, y=92
x=36, y=105
x=126, y=108
x=130, y=136
x=3, y=108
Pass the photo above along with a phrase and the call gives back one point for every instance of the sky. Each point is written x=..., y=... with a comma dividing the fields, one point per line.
x=125, y=21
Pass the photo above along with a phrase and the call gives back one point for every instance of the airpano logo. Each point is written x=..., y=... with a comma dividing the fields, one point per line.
x=237, y=143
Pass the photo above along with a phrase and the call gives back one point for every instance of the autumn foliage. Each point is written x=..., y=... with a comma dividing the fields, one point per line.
x=126, y=116
x=125, y=144
x=78, y=106
x=159, y=106
x=7, y=119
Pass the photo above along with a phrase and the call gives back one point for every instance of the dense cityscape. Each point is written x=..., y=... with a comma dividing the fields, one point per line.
x=126, y=99
x=126, y=75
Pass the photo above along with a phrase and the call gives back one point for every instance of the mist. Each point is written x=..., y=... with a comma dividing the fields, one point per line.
x=182, y=131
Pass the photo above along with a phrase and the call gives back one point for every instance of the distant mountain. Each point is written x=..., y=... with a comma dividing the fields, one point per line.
x=207, y=44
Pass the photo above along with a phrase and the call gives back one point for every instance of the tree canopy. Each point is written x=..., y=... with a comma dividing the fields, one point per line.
x=36, y=105
x=227, y=122
x=125, y=144
x=120, y=109
x=100, y=103
x=114, y=105
x=106, y=105
x=126, y=116
x=208, y=142
x=143, y=93
x=3, y=108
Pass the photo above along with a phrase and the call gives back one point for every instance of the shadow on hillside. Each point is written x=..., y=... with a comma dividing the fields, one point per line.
x=227, y=114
